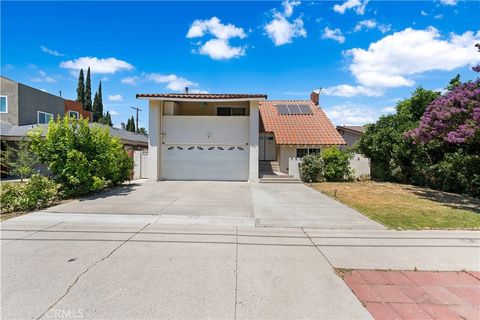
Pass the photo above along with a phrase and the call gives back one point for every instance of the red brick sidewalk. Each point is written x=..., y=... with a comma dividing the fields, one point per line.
x=417, y=294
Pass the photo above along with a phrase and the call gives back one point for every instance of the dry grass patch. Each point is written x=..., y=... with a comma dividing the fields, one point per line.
x=401, y=206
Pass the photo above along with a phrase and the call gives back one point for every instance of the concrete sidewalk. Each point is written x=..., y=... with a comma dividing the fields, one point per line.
x=141, y=270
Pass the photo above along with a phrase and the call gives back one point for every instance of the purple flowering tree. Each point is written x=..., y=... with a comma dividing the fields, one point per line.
x=453, y=118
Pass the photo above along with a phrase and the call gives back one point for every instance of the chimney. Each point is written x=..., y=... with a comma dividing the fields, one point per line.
x=60, y=92
x=186, y=89
x=315, y=96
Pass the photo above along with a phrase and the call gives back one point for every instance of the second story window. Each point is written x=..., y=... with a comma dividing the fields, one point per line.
x=73, y=114
x=231, y=111
x=3, y=104
x=44, y=117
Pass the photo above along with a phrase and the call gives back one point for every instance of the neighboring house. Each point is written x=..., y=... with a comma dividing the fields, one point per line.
x=351, y=134
x=359, y=163
x=24, y=105
x=224, y=136
x=75, y=109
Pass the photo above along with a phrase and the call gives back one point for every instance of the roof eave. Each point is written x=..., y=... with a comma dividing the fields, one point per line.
x=201, y=100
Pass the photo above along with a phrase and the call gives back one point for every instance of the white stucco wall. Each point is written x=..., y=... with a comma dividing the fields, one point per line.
x=206, y=130
x=253, y=142
x=154, y=139
x=360, y=165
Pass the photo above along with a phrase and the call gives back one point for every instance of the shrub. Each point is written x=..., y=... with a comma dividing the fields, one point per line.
x=37, y=193
x=19, y=160
x=312, y=168
x=81, y=158
x=336, y=164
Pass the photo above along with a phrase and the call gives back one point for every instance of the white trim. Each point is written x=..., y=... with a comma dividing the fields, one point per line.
x=38, y=115
x=6, y=104
x=76, y=112
x=200, y=100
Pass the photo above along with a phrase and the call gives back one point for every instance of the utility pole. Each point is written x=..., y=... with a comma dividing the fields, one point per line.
x=136, y=109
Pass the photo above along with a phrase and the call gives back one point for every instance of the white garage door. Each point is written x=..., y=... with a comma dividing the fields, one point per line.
x=205, y=162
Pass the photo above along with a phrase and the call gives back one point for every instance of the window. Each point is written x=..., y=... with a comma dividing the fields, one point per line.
x=73, y=114
x=44, y=117
x=3, y=104
x=301, y=152
x=231, y=111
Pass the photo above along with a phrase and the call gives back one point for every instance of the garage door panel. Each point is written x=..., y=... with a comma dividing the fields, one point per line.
x=205, y=163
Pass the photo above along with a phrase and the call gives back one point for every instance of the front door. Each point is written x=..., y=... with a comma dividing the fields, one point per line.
x=267, y=147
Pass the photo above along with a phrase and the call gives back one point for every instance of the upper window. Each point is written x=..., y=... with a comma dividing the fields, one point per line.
x=231, y=111
x=3, y=104
x=44, y=117
x=73, y=114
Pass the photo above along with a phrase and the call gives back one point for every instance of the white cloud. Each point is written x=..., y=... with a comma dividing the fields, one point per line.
x=215, y=27
x=113, y=113
x=280, y=29
x=423, y=13
x=370, y=24
x=438, y=16
x=43, y=77
x=173, y=81
x=358, y=5
x=97, y=65
x=334, y=34
x=345, y=90
x=115, y=97
x=391, y=61
x=130, y=80
x=104, y=79
x=388, y=110
x=219, y=47
x=348, y=114
x=52, y=52
x=449, y=2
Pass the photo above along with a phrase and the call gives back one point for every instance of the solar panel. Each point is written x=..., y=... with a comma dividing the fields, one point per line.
x=305, y=109
x=282, y=109
x=286, y=109
x=294, y=109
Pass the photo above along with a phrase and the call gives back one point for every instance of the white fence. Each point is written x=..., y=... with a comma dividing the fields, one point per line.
x=358, y=163
x=140, y=164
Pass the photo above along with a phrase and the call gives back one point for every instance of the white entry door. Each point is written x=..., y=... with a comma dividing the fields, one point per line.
x=267, y=147
x=204, y=162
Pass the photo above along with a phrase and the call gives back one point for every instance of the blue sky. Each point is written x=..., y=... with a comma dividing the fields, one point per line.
x=365, y=54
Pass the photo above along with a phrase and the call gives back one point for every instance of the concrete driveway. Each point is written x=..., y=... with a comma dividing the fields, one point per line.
x=232, y=203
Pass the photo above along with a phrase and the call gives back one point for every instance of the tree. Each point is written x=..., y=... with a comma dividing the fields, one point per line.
x=106, y=119
x=98, y=104
x=88, y=92
x=81, y=158
x=21, y=160
x=81, y=89
x=337, y=164
x=131, y=125
x=454, y=82
x=142, y=130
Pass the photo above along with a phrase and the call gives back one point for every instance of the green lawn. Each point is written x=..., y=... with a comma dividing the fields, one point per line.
x=399, y=206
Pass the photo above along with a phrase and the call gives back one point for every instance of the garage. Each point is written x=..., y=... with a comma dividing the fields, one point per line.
x=205, y=162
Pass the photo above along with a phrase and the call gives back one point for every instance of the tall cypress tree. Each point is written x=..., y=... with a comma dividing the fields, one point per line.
x=98, y=104
x=88, y=92
x=81, y=89
x=108, y=119
x=132, y=120
x=95, y=107
x=100, y=99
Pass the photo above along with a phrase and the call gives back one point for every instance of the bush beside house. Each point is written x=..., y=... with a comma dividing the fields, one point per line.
x=80, y=158
x=331, y=165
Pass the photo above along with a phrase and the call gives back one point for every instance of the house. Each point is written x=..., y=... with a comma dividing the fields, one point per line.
x=225, y=136
x=23, y=105
x=351, y=134
x=359, y=163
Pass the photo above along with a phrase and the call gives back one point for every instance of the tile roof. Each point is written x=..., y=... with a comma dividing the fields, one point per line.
x=359, y=129
x=313, y=129
x=208, y=96
x=13, y=131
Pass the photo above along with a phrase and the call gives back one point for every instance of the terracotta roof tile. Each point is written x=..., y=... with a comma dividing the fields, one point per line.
x=312, y=129
x=212, y=96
